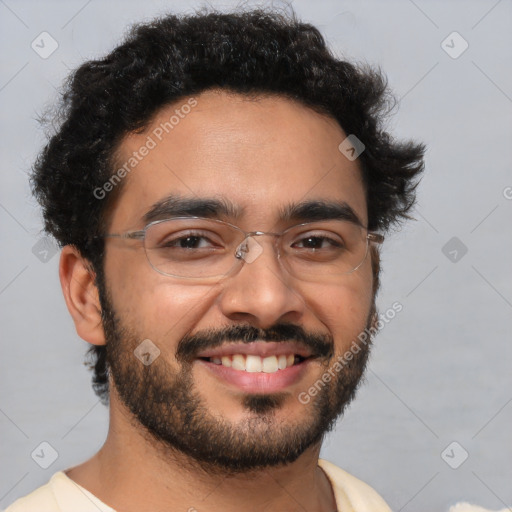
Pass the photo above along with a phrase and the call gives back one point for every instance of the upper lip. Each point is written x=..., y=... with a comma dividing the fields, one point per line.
x=258, y=348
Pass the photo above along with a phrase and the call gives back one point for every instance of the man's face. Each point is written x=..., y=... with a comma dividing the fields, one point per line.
x=262, y=156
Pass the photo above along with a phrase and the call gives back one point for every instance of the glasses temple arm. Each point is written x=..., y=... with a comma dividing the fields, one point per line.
x=375, y=237
x=133, y=235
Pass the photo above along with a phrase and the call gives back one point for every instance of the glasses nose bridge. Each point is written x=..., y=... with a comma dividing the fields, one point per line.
x=262, y=233
x=242, y=248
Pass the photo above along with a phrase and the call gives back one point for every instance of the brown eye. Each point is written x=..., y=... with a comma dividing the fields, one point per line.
x=188, y=242
x=317, y=242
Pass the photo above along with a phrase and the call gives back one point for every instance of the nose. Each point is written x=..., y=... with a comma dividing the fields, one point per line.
x=261, y=292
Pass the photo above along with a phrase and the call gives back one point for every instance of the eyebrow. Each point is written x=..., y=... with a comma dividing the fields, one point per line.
x=176, y=206
x=309, y=211
x=210, y=207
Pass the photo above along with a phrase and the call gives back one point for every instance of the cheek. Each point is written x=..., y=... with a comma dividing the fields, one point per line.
x=343, y=307
x=176, y=308
x=161, y=309
x=346, y=305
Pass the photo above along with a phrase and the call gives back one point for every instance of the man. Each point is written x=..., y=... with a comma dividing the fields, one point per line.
x=219, y=184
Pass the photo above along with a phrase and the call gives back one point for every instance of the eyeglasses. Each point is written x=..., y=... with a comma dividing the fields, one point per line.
x=199, y=248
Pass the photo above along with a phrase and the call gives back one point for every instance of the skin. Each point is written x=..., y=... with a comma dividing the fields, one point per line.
x=261, y=154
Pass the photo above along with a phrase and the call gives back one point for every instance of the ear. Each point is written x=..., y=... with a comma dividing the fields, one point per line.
x=81, y=295
x=375, y=256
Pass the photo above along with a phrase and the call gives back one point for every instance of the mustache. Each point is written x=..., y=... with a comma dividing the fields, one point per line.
x=320, y=344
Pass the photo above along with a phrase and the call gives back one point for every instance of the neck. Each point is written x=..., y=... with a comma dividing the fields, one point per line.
x=132, y=472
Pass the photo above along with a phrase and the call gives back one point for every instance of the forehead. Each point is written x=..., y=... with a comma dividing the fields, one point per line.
x=261, y=154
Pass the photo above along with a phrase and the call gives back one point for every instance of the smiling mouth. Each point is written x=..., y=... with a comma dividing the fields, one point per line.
x=256, y=364
x=252, y=373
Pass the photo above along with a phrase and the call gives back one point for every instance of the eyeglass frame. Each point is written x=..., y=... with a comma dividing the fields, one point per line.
x=371, y=237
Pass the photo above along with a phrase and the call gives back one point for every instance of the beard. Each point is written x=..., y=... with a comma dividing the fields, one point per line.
x=175, y=419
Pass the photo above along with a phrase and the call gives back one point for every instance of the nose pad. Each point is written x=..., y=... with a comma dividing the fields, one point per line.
x=248, y=250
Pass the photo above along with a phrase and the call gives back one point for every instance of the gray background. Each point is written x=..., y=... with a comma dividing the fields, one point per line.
x=440, y=370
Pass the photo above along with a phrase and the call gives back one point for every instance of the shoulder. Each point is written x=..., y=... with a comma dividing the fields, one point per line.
x=351, y=493
x=42, y=499
x=466, y=507
x=60, y=494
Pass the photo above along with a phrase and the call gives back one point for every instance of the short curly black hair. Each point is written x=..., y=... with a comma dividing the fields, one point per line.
x=176, y=56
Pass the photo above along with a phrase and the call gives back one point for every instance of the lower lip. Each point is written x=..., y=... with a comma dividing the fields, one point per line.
x=258, y=382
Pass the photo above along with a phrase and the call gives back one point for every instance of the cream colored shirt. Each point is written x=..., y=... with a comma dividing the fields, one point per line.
x=61, y=494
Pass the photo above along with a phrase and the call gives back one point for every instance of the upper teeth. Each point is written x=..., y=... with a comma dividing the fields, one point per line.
x=252, y=363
